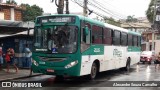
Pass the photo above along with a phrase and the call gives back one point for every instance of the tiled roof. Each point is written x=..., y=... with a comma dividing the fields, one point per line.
x=12, y=5
x=136, y=25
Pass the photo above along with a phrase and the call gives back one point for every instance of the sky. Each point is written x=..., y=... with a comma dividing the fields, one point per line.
x=117, y=8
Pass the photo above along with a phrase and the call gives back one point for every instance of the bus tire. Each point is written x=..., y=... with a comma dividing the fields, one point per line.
x=127, y=68
x=94, y=70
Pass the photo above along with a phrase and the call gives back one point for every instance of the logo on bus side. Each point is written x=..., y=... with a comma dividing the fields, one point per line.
x=97, y=50
x=117, y=53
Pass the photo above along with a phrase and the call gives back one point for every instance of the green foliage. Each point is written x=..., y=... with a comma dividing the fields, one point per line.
x=150, y=11
x=11, y=2
x=131, y=19
x=31, y=12
x=111, y=21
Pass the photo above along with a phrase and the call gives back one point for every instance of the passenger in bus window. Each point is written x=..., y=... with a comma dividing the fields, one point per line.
x=63, y=37
x=51, y=41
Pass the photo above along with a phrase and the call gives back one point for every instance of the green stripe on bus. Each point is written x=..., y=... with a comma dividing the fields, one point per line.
x=134, y=49
x=94, y=50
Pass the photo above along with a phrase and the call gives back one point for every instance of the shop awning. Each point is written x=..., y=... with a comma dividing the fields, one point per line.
x=11, y=29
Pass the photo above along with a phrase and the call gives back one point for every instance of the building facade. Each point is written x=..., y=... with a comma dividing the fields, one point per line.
x=14, y=32
x=10, y=15
x=141, y=25
x=144, y=27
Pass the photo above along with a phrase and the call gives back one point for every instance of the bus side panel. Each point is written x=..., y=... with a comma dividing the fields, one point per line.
x=95, y=52
x=114, y=57
x=87, y=61
x=134, y=54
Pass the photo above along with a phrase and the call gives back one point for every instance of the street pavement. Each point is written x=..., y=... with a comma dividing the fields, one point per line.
x=22, y=73
x=141, y=72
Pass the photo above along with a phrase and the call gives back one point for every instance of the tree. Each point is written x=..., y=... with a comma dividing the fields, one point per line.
x=150, y=11
x=111, y=21
x=131, y=19
x=31, y=12
x=11, y=2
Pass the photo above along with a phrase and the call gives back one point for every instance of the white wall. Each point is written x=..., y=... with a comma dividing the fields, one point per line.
x=12, y=14
x=1, y=16
x=157, y=46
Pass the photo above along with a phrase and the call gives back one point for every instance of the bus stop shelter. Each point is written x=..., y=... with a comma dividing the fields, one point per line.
x=15, y=37
x=7, y=30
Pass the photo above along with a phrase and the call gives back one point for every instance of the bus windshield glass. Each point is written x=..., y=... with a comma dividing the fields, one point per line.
x=56, y=39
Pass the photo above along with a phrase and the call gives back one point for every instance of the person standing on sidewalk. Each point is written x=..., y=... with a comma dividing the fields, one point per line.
x=1, y=56
x=28, y=57
x=10, y=59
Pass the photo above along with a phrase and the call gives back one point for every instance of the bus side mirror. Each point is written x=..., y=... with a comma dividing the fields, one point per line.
x=86, y=30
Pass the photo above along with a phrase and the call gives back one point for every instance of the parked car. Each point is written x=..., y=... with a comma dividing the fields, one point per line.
x=147, y=56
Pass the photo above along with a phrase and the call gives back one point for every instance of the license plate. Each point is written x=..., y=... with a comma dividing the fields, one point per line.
x=50, y=70
x=142, y=59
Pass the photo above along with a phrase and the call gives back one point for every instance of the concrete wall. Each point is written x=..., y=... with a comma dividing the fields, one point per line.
x=157, y=46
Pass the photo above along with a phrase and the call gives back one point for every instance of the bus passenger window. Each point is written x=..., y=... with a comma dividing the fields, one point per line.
x=107, y=36
x=97, y=35
x=116, y=38
x=135, y=40
x=139, y=41
x=130, y=43
x=123, y=39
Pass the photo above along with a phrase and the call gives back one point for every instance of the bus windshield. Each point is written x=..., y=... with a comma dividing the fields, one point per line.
x=56, y=39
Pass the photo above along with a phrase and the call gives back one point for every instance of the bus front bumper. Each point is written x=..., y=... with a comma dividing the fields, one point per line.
x=73, y=71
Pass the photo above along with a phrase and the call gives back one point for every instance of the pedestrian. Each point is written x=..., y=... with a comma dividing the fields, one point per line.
x=28, y=57
x=8, y=60
x=1, y=57
x=157, y=61
x=10, y=55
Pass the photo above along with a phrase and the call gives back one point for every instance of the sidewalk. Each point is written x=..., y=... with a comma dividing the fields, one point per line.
x=22, y=73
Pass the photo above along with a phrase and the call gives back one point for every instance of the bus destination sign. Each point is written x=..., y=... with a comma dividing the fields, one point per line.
x=58, y=19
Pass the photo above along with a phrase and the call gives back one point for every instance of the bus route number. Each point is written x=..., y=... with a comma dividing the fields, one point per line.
x=96, y=49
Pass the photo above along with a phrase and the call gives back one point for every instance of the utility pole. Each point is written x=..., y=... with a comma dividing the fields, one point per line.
x=67, y=7
x=85, y=8
x=60, y=6
x=153, y=31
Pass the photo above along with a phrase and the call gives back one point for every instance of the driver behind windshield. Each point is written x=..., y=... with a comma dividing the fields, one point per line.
x=63, y=37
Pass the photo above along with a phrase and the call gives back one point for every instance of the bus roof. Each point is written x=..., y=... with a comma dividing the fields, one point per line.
x=97, y=22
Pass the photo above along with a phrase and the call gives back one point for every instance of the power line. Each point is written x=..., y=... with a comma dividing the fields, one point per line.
x=88, y=9
x=113, y=11
x=100, y=7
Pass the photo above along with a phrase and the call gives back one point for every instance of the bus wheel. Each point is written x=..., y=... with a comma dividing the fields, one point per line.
x=127, y=65
x=93, y=71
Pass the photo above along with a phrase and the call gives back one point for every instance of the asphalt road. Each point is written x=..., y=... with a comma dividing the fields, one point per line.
x=104, y=81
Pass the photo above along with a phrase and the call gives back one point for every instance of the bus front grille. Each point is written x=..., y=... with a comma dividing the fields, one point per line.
x=51, y=59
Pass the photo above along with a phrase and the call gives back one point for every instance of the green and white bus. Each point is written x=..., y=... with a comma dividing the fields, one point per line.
x=74, y=45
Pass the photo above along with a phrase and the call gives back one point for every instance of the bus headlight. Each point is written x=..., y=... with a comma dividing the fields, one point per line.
x=71, y=64
x=34, y=62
